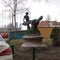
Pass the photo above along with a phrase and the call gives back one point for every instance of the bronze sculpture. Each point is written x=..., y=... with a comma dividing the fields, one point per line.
x=34, y=23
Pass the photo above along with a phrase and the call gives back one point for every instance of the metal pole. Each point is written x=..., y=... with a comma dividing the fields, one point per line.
x=12, y=47
x=33, y=53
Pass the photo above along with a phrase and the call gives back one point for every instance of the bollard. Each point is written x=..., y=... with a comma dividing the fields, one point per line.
x=12, y=47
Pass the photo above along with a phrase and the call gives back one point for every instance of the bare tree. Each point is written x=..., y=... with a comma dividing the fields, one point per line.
x=15, y=7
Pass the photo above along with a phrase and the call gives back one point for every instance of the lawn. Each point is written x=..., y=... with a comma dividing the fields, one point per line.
x=48, y=41
x=18, y=42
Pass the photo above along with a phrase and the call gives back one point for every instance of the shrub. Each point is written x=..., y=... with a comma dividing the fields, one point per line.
x=55, y=35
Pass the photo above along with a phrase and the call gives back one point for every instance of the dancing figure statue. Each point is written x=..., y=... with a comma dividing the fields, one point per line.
x=34, y=23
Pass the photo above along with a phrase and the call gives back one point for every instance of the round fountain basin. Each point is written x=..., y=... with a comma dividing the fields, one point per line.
x=33, y=38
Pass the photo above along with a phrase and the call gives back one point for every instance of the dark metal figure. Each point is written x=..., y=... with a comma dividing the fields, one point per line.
x=34, y=23
x=26, y=19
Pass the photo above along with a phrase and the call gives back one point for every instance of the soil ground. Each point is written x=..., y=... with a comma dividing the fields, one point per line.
x=49, y=53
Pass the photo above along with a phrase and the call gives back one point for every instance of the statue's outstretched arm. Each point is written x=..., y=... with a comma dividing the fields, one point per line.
x=37, y=21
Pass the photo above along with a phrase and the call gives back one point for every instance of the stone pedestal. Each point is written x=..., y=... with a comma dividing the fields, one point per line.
x=33, y=41
x=33, y=38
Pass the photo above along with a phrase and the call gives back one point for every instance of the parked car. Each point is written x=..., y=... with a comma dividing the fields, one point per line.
x=5, y=50
x=5, y=36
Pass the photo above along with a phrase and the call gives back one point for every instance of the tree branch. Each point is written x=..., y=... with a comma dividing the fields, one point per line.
x=20, y=1
x=7, y=4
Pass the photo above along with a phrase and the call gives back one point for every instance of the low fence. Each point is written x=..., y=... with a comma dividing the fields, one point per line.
x=19, y=34
x=45, y=31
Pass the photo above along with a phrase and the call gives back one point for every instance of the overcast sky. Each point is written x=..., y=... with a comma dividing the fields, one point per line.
x=50, y=7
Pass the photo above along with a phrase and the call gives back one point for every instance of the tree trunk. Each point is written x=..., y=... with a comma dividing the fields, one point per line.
x=15, y=8
x=15, y=26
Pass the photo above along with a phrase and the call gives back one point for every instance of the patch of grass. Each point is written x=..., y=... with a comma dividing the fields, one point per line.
x=48, y=41
x=16, y=42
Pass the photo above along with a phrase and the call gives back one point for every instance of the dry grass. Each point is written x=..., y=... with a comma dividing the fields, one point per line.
x=48, y=41
x=16, y=42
